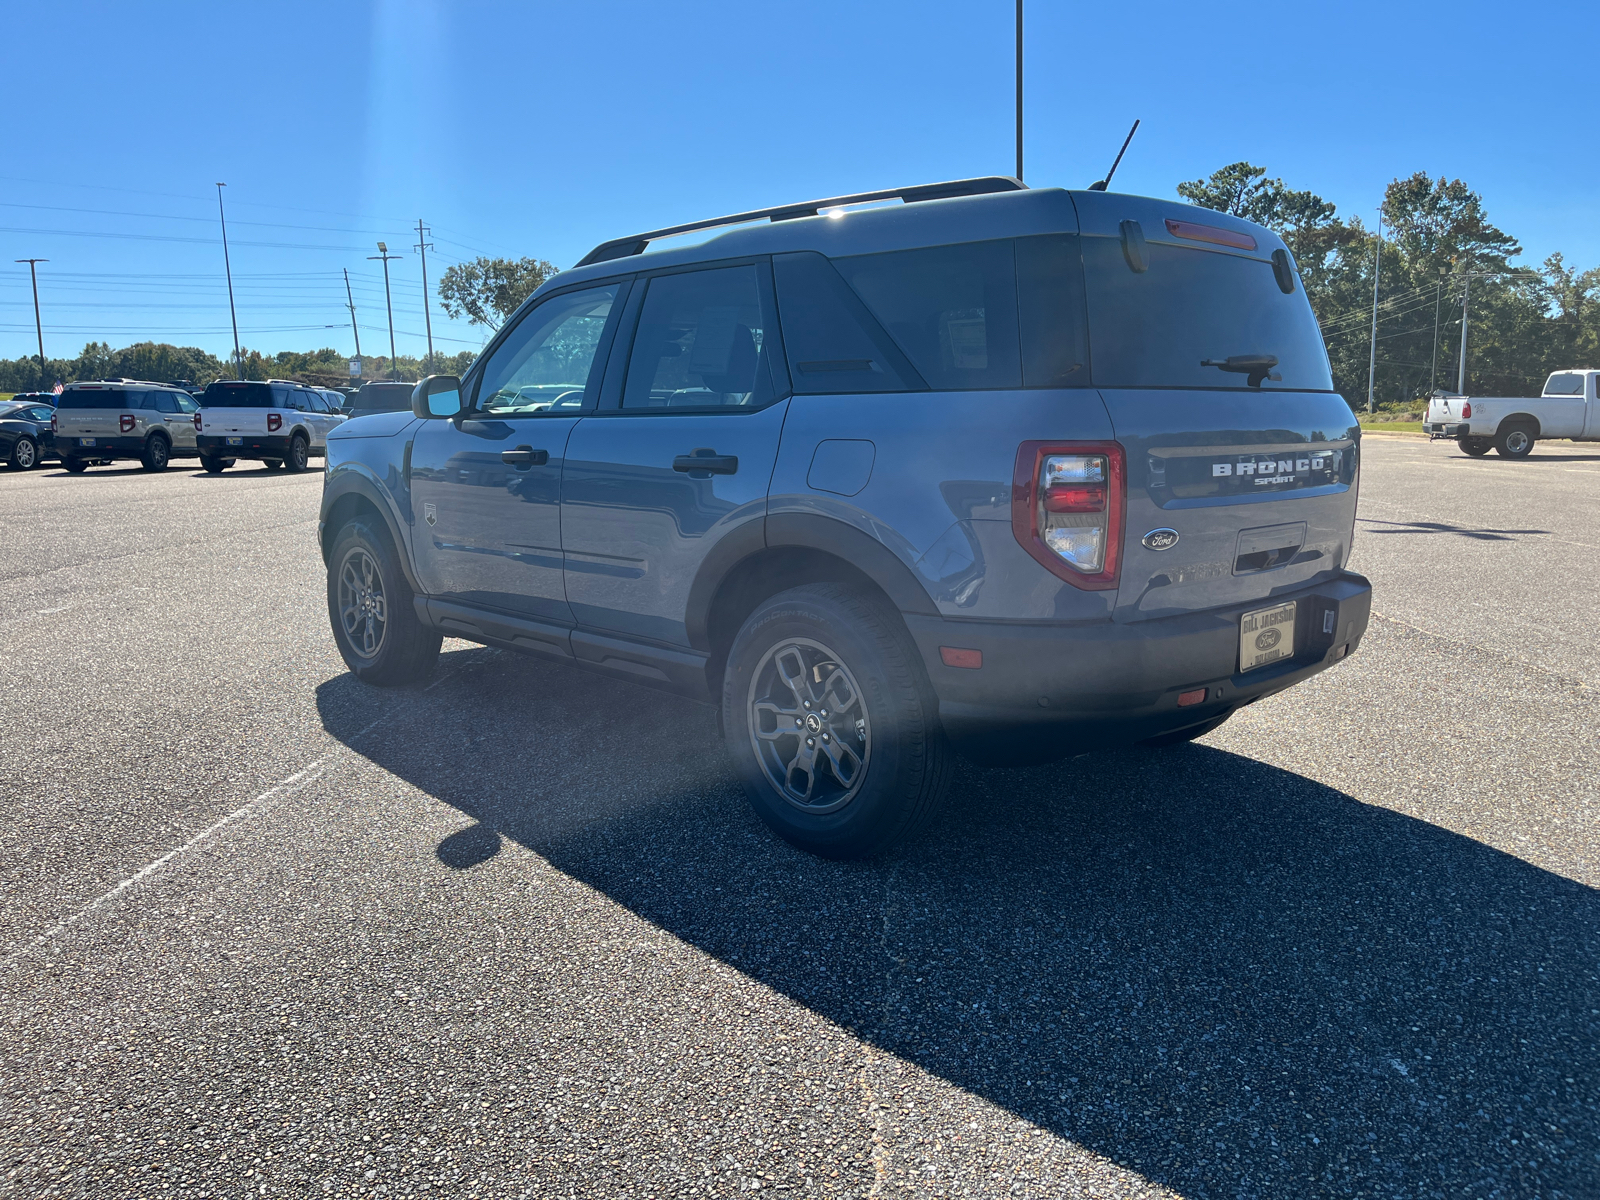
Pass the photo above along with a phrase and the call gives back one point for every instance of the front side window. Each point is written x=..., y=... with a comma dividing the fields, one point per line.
x=547, y=364
x=1566, y=384
x=699, y=342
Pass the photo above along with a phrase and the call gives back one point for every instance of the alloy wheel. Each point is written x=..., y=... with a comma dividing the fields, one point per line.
x=24, y=455
x=363, y=609
x=809, y=725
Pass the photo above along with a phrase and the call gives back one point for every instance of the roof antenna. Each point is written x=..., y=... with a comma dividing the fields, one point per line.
x=1101, y=186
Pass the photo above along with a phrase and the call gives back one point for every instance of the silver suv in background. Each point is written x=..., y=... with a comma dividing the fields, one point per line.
x=97, y=423
x=279, y=422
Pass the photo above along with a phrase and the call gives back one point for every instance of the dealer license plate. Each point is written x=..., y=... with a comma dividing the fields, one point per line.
x=238, y=441
x=85, y=441
x=1265, y=636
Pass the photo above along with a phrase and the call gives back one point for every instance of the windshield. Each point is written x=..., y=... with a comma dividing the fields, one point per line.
x=1565, y=384
x=1155, y=328
x=92, y=398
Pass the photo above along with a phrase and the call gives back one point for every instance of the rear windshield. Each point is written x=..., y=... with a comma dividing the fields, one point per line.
x=1154, y=328
x=93, y=398
x=382, y=397
x=237, y=393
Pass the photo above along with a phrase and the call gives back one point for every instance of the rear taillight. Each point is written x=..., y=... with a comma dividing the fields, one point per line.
x=1067, y=503
x=54, y=426
x=125, y=422
x=274, y=422
x=197, y=422
x=1466, y=410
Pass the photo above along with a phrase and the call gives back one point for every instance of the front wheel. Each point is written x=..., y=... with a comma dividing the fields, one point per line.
x=832, y=725
x=370, y=606
x=157, y=453
x=1477, y=447
x=299, y=453
x=1515, y=441
x=25, y=454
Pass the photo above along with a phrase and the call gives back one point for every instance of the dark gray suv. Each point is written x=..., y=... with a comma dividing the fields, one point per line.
x=1002, y=471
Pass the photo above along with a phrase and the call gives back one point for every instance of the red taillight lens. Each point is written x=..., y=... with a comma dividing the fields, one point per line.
x=54, y=427
x=1067, y=503
x=125, y=422
x=197, y=422
x=274, y=422
x=1466, y=410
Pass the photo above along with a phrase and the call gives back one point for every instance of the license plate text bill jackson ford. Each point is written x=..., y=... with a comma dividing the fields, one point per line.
x=1265, y=636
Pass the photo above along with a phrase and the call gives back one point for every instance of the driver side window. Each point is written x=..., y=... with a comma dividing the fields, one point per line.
x=548, y=363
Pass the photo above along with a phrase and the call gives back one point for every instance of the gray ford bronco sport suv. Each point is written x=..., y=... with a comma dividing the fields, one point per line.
x=1002, y=471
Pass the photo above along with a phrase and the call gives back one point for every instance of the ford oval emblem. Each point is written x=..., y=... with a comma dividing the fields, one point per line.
x=1160, y=539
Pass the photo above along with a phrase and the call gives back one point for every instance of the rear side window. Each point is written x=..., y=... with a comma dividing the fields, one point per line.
x=951, y=309
x=96, y=398
x=699, y=342
x=1568, y=384
x=1154, y=328
x=166, y=402
x=236, y=393
x=834, y=344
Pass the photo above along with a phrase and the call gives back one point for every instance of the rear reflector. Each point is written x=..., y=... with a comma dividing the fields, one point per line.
x=1210, y=233
x=954, y=656
x=1195, y=697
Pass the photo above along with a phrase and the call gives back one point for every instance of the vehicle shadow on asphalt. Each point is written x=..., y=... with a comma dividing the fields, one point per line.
x=1466, y=531
x=1223, y=975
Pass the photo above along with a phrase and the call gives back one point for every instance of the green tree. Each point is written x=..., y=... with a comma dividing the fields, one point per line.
x=488, y=290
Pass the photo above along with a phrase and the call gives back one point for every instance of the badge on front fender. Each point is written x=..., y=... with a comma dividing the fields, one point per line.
x=430, y=514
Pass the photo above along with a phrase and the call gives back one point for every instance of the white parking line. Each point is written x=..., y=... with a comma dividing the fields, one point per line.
x=293, y=783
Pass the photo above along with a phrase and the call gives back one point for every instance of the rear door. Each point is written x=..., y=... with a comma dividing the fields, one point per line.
x=172, y=417
x=680, y=454
x=486, y=486
x=1241, y=460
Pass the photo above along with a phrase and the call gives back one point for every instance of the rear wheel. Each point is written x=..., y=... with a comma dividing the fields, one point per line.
x=299, y=453
x=1514, y=441
x=74, y=465
x=157, y=453
x=1477, y=447
x=213, y=464
x=1179, y=736
x=831, y=724
x=370, y=607
x=25, y=454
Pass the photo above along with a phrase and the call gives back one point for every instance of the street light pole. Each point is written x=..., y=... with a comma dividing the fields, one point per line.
x=38, y=325
x=1438, y=297
x=1019, y=90
x=238, y=358
x=1377, y=268
x=1461, y=377
x=384, y=257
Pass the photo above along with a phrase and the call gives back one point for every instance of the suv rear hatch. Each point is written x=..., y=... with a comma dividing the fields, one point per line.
x=91, y=410
x=242, y=407
x=1215, y=376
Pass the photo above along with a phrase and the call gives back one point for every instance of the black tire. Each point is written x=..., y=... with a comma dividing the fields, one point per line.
x=76, y=466
x=24, y=454
x=299, y=454
x=1514, y=441
x=212, y=464
x=1477, y=447
x=889, y=725
x=382, y=643
x=1179, y=736
x=272, y=464
x=157, y=453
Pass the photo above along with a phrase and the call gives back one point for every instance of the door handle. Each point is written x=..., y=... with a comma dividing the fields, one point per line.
x=523, y=457
x=703, y=463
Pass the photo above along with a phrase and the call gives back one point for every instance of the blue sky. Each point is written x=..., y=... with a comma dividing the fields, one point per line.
x=541, y=129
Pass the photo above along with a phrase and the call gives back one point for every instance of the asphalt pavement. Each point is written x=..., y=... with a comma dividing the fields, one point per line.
x=267, y=932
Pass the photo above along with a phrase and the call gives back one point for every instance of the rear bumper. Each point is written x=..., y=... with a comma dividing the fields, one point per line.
x=1044, y=691
x=104, y=447
x=1447, y=429
x=266, y=445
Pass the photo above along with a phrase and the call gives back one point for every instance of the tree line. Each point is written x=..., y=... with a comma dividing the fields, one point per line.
x=1437, y=243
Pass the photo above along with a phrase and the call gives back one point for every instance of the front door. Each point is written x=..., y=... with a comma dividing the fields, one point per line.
x=486, y=486
x=680, y=457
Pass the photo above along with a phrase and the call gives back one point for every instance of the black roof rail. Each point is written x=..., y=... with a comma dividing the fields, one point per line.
x=626, y=246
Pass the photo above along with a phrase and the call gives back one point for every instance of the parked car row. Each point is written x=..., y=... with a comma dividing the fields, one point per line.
x=278, y=422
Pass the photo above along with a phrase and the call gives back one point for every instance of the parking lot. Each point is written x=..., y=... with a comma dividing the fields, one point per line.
x=266, y=931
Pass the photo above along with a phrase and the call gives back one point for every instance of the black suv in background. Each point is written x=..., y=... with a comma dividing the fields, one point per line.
x=374, y=397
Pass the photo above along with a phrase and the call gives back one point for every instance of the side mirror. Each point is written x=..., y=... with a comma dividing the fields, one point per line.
x=437, y=396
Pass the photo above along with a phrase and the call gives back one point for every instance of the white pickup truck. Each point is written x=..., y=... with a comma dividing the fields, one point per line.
x=1569, y=408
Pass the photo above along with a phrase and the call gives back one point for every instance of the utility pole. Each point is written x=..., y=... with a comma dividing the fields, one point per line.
x=1461, y=378
x=1372, y=361
x=1019, y=91
x=1433, y=371
x=422, y=248
x=238, y=358
x=351, y=305
x=384, y=257
x=38, y=325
